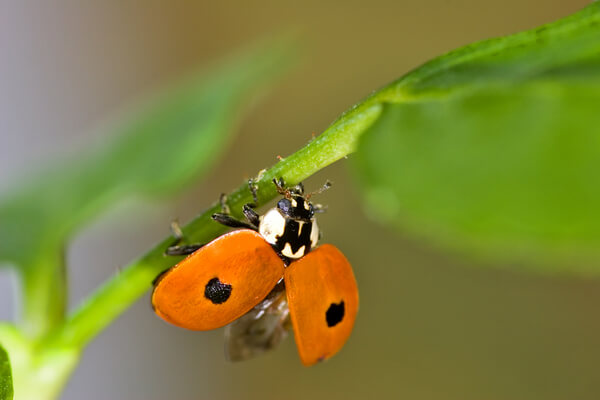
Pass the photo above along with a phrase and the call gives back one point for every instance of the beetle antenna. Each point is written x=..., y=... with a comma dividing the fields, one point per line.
x=281, y=189
x=326, y=186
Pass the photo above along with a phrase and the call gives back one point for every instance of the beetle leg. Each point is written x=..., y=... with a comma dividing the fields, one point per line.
x=225, y=218
x=176, y=232
x=177, y=249
x=251, y=215
x=228, y=220
x=223, y=202
x=253, y=189
x=182, y=250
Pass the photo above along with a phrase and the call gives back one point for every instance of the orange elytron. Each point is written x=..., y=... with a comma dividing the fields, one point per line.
x=243, y=270
x=323, y=301
x=239, y=280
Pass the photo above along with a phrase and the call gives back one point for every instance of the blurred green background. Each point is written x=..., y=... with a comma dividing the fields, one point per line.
x=432, y=324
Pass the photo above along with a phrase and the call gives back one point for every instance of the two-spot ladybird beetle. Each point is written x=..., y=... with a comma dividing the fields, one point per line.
x=238, y=278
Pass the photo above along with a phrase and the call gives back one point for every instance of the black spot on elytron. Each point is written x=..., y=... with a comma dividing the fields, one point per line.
x=335, y=314
x=216, y=291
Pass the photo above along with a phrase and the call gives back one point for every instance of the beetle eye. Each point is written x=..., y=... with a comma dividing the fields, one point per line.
x=284, y=205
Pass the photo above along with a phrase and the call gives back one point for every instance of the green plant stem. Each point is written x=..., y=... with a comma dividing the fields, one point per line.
x=126, y=286
x=44, y=291
x=39, y=372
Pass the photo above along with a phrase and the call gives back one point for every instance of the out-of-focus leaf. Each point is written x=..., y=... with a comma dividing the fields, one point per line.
x=162, y=148
x=6, y=385
x=495, y=148
x=503, y=173
x=168, y=143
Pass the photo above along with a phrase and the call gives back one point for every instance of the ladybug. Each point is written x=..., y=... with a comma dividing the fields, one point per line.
x=263, y=278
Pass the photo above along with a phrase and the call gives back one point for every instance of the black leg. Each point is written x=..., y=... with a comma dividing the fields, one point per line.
x=251, y=215
x=176, y=249
x=228, y=220
x=253, y=188
x=182, y=250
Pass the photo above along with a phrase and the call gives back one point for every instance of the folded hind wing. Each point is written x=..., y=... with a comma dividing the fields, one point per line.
x=259, y=330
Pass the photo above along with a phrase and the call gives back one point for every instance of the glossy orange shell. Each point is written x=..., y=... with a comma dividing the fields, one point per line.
x=242, y=259
x=313, y=283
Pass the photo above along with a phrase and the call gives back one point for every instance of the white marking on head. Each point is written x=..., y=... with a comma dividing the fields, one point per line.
x=287, y=251
x=314, y=233
x=306, y=206
x=293, y=202
x=271, y=225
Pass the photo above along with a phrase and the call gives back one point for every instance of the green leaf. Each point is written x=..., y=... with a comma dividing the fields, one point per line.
x=6, y=385
x=495, y=148
x=161, y=148
x=566, y=50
